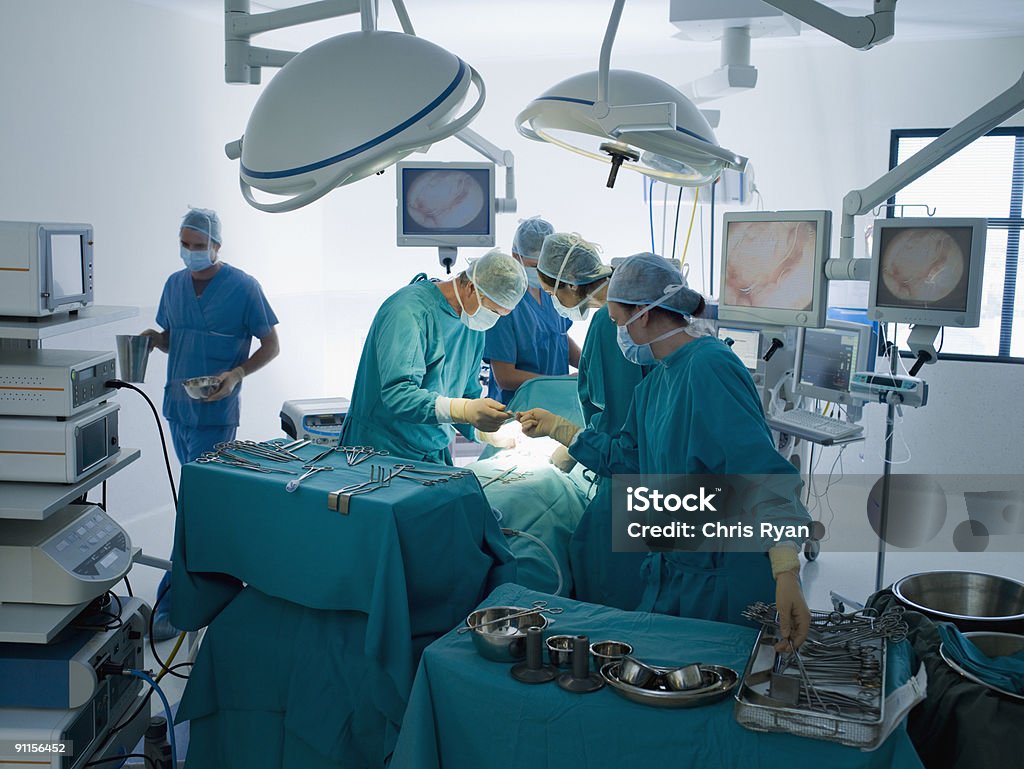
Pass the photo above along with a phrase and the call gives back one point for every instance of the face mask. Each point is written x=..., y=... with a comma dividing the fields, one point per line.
x=481, y=320
x=575, y=313
x=532, y=277
x=641, y=354
x=196, y=260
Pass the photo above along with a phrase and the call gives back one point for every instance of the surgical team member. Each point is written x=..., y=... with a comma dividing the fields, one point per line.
x=696, y=413
x=209, y=312
x=419, y=373
x=572, y=272
x=532, y=340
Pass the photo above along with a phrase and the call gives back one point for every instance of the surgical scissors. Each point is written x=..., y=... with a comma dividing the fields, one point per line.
x=536, y=608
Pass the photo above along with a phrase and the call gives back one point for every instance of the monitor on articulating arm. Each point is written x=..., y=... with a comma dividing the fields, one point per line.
x=773, y=268
x=927, y=272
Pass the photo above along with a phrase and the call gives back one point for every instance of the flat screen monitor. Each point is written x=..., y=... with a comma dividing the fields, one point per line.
x=827, y=357
x=773, y=267
x=927, y=271
x=445, y=204
x=746, y=343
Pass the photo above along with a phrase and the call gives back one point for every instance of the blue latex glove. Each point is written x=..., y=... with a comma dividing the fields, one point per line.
x=1007, y=673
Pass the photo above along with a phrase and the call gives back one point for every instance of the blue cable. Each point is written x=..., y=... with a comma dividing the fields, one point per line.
x=650, y=208
x=167, y=711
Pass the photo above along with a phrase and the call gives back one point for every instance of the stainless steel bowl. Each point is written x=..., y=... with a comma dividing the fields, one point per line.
x=970, y=600
x=991, y=645
x=685, y=677
x=635, y=673
x=502, y=640
x=560, y=650
x=608, y=651
x=201, y=387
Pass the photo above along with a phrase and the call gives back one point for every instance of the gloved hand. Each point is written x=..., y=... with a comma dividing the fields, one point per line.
x=538, y=423
x=485, y=414
x=794, y=616
x=504, y=438
x=561, y=459
x=229, y=380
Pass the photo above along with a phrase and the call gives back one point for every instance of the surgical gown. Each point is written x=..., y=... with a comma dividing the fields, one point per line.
x=532, y=338
x=209, y=334
x=606, y=383
x=699, y=413
x=417, y=349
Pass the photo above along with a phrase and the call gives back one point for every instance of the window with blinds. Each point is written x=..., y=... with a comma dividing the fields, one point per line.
x=985, y=179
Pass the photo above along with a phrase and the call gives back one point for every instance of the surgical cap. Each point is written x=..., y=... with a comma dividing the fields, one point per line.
x=568, y=258
x=204, y=220
x=643, y=279
x=499, y=277
x=530, y=236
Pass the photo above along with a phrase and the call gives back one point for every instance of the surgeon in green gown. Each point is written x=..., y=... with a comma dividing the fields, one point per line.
x=419, y=374
x=571, y=271
x=696, y=413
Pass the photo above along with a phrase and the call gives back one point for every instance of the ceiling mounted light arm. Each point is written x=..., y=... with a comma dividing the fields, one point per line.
x=630, y=117
x=498, y=156
x=243, y=61
x=860, y=202
x=862, y=32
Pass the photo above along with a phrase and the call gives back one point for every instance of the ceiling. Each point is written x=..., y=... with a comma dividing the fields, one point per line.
x=574, y=27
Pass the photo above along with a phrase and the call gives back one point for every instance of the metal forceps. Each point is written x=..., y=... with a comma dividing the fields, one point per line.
x=538, y=607
x=210, y=456
x=355, y=455
x=293, y=484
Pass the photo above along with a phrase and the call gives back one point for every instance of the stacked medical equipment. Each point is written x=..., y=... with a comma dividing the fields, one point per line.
x=65, y=638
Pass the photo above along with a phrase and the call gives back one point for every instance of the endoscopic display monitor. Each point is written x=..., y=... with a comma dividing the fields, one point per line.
x=927, y=271
x=773, y=267
x=445, y=204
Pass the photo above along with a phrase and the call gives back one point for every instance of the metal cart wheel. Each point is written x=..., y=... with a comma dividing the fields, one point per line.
x=811, y=549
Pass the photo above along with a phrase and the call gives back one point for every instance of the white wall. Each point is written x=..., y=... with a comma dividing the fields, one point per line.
x=116, y=114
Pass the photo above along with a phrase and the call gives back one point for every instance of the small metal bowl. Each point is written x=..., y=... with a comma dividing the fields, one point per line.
x=503, y=640
x=687, y=678
x=609, y=651
x=201, y=387
x=560, y=650
x=636, y=673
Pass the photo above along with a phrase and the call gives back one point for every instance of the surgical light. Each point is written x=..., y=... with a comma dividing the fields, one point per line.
x=347, y=108
x=631, y=120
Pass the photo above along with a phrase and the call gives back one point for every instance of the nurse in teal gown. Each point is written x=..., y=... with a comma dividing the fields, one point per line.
x=571, y=271
x=697, y=412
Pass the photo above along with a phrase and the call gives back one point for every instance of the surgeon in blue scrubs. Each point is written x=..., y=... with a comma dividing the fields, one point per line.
x=419, y=374
x=696, y=413
x=533, y=339
x=209, y=313
x=572, y=272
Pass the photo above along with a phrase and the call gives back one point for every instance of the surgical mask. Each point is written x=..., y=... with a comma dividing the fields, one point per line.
x=532, y=277
x=481, y=320
x=574, y=313
x=642, y=354
x=197, y=261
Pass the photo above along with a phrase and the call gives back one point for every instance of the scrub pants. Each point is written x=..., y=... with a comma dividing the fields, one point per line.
x=189, y=443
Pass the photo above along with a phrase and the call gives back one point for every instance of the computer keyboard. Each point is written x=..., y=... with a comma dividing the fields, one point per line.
x=802, y=421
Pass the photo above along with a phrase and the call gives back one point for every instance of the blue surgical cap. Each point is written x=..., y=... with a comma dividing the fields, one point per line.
x=499, y=277
x=530, y=236
x=646, y=278
x=204, y=220
x=568, y=258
